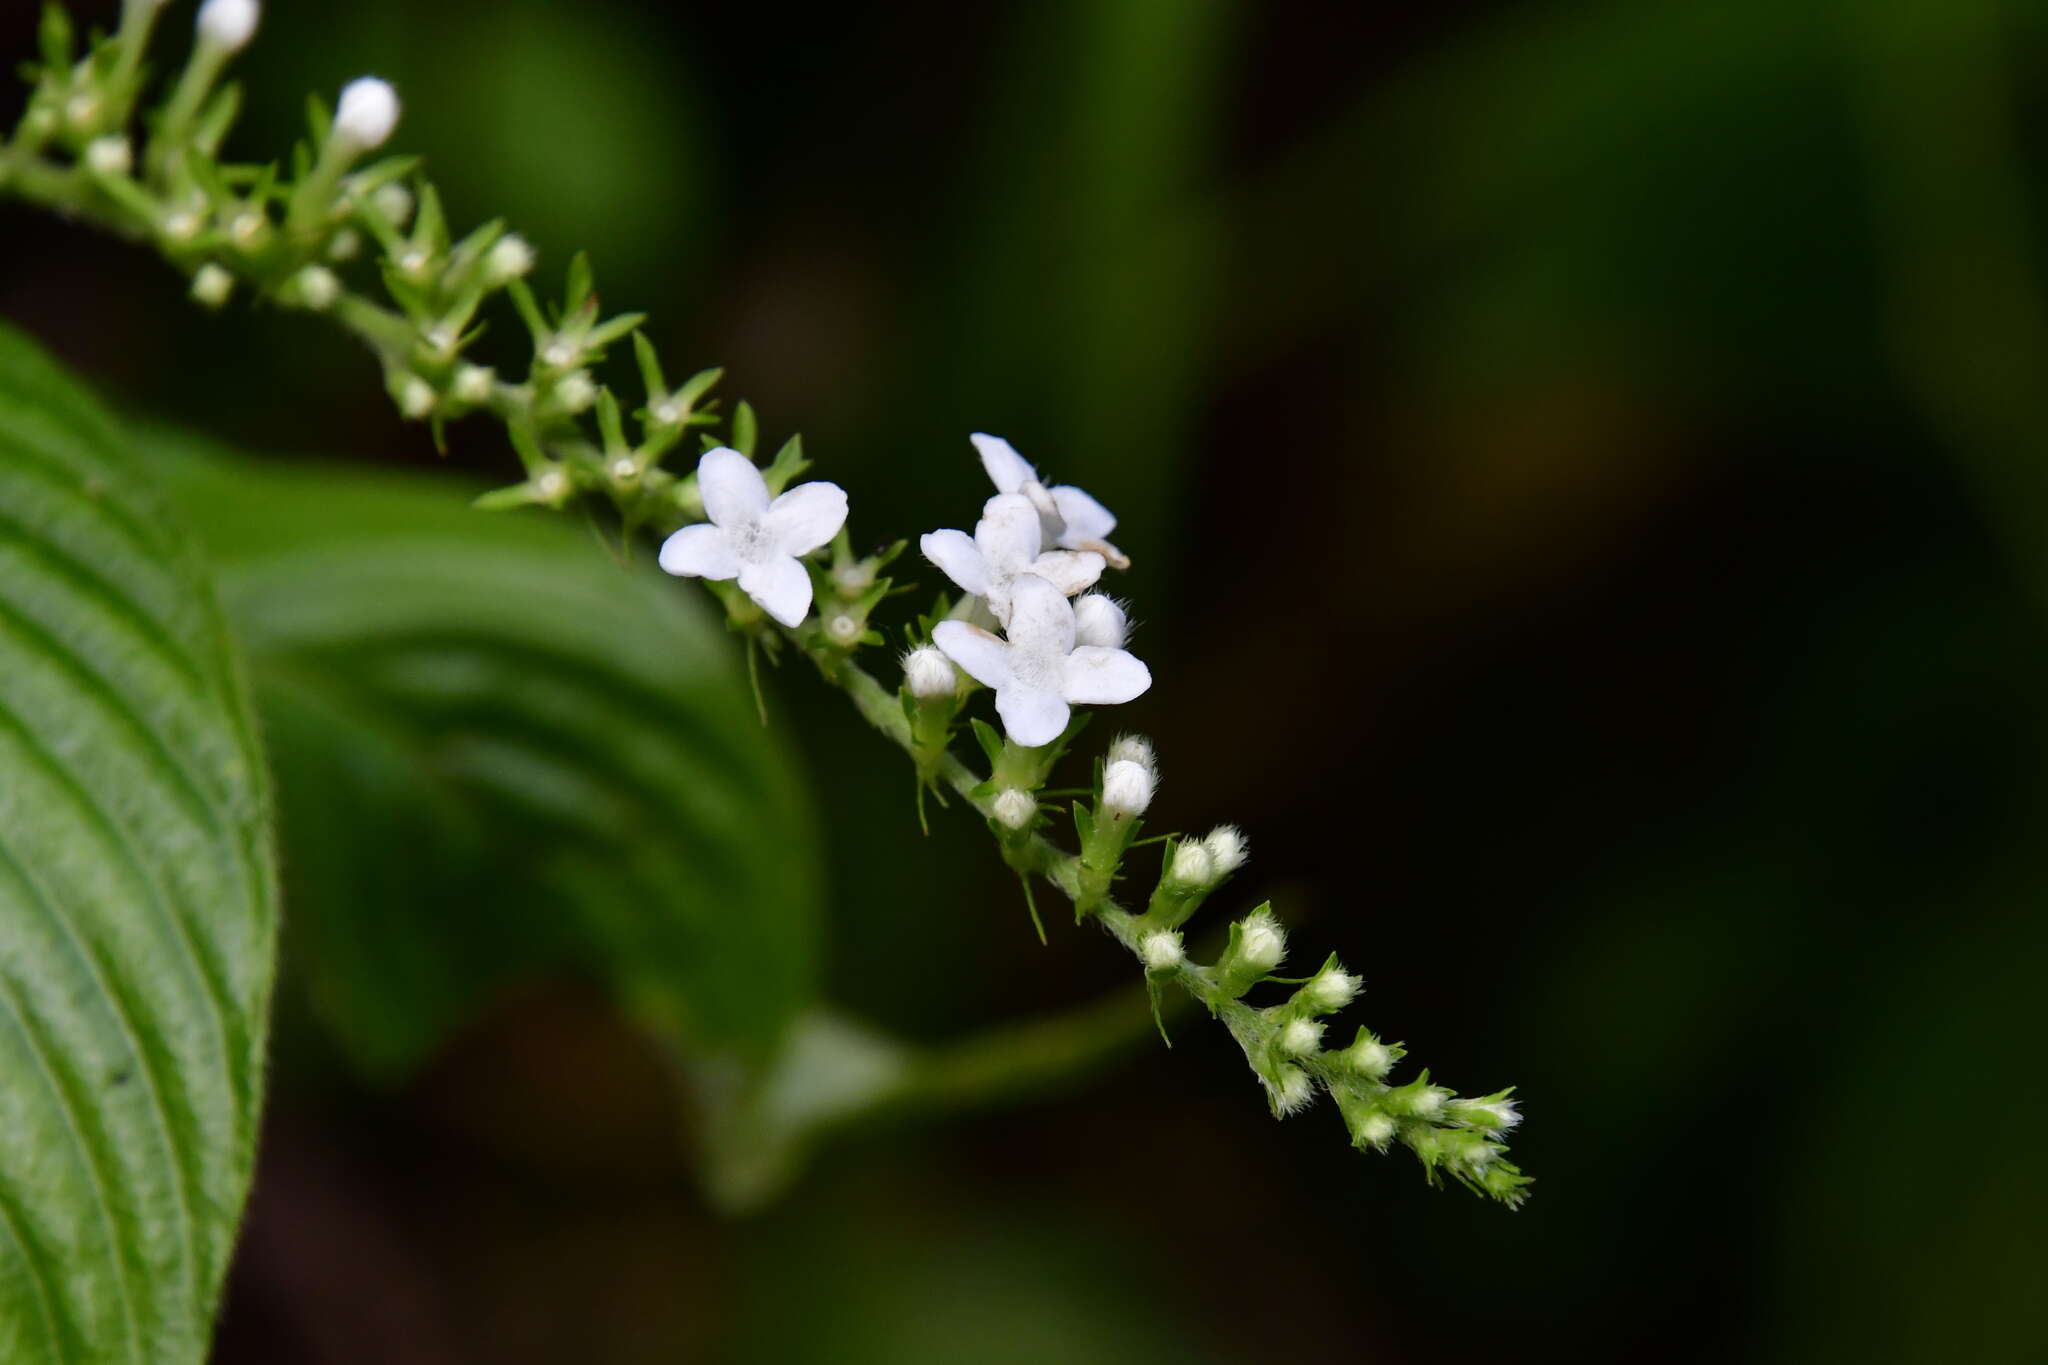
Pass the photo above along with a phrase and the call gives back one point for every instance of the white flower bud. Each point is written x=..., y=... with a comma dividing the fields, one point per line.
x=667, y=413
x=344, y=244
x=81, y=109
x=1134, y=749
x=1099, y=621
x=558, y=354
x=1331, y=990
x=1294, y=1093
x=414, y=264
x=1369, y=1057
x=1489, y=1115
x=1126, y=788
x=247, y=227
x=109, y=155
x=1226, y=849
x=1161, y=950
x=623, y=469
x=930, y=674
x=1014, y=808
x=1192, y=865
x=1427, y=1102
x=393, y=202
x=576, y=391
x=1301, y=1037
x=853, y=579
x=367, y=113
x=211, y=285
x=551, y=485
x=1377, y=1130
x=473, y=383
x=179, y=227
x=416, y=398
x=843, y=629
x=508, y=259
x=317, y=287
x=1261, y=941
x=228, y=25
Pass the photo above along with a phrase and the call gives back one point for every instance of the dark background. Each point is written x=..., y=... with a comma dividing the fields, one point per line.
x=1587, y=467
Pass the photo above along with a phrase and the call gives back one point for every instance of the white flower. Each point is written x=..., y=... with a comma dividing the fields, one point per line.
x=228, y=24
x=1037, y=672
x=1005, y=545
x=753, y=539
x=1071, y=518
x=366, y=114
x=1100, y=621
x=1126, y=788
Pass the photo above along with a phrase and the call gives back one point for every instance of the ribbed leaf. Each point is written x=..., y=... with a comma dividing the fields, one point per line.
x=138, y=916
x=501, y=756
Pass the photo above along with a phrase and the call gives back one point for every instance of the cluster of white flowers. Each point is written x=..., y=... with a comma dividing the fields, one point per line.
x=1052, y=654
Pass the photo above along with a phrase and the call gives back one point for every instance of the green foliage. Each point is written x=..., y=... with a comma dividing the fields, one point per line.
x=499, y=754
x=138, y=906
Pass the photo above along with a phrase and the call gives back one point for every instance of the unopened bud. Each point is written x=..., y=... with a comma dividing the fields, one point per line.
x=1161, y=950
x=1192, y=865
x=551, y=485
x=1126, y=788
x=929, y=674
x=1417, y=1098
x=1370, y=1057
x=473, y=384
x=1262, y=943
x=1493, y=1114
x=1375, y=1130
x=1226, y=849
x=416, y=398
x=109, y=155
x=1294, y=1092
x=179, y=227
x=1014, y=808
x=394, y=202
x=508, y=259
x=317, y=287
x=1134, y=749
x=1330, y=990
x=211, y=285
x=344, y=244
x=366, y=114
x=228, y=25
x=1301, y=1037
x=576, y=391
x=843, y=629
x=1099, y=621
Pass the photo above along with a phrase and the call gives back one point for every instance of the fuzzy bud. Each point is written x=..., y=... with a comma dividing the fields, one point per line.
x=416, y=398
x=344, y=245
x=1161, y=950
x=211, y=285
x=473, y=384
x=1492, y=1114
x=1293, y=1093
x=1134, y=749
x=228, y=25
x=1262, y=943
x=1375, y=1130
x=1192, y=865
x=551, y=485
x=1300, y=1037
x=1126, y=788
x=1226, y=849
x=366, y=114
x=576, y=391
x=1014, y=808
x=1099, y=621
x=1330, y=990
x=393, y=203
x=1370, y=1057
x=1418, y=1099
x=109, y=155
x=929, y=674
x=316, y=287
x=508, y=259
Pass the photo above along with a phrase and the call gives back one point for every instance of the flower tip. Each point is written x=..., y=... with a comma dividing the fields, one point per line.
x=1161, y=950
x=367, y=113
x=929, y=674
x=228, y=25
x=1226, y=848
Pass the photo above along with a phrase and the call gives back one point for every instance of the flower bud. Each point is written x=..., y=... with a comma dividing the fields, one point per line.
x=843, y=629
x=1014, y=808
x=1490, y=1114
x=109, y=155
x=1300, y=1037
x=929, y=674
x=317, y=287
x=1293, y=1093
x=393, y=202
x=367, y=113
x=228, y=25
x=1226, y=849
x=1374, y=1130
x=508, y=259
x=416, y=398
x=1126, y=788
x=1161, y=950
x=473, y=384
x=1330, y=990
x=1262, y=943
x=211, y=285
x=1134, y=749
x=576, y=391
x=1418, y=1099
x=1099, y=621
x=1370, y=1057
x=344, y=244
x=1192, y=865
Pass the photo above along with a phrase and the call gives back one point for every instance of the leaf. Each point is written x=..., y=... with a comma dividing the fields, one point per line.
x=138, y=915
x=501, y=756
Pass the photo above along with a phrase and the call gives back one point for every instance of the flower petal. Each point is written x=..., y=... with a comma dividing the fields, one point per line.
x=700, y=551
x=985, y=658
x=1031, y=715
x=1008, y=470
x=1040, y=621
x=805, y=517
x=1088, y=522
x=958, y=558
x=1070, y=571
x=781, y=586
x=1008, y=533
x=1096, y=676
x=733, y=490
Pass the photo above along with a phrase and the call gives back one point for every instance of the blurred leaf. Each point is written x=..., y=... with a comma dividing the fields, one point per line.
x=499, y=756
x=138, y=917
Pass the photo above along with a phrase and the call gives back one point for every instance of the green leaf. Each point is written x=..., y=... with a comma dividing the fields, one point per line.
x=138, y=916
x=501, y=756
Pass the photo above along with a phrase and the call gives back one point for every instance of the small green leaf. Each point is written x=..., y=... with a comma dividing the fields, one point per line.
x=138, y=915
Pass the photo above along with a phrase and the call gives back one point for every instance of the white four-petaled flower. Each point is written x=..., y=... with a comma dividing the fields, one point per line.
x=1005, y=544
x=1037, y=671
x=1071, y=518
x=753, y=539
